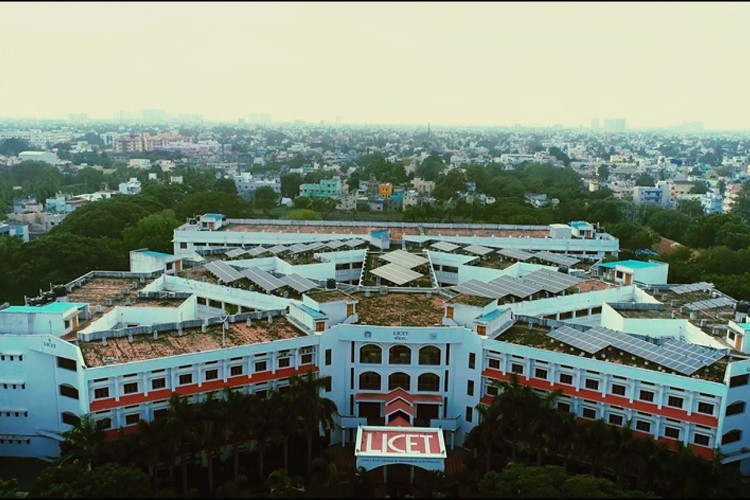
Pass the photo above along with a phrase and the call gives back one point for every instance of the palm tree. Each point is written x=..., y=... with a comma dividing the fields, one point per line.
x=84, y=442
x=312, y=412
x=180, y=432
x=236, y=427
x=486, y=433
x=211, y=416
x=264, y=424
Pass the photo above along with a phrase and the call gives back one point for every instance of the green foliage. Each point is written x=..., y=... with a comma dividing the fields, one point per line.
x=153, y=232
x=265, y=198
x=107, y=218
x=14, y=146
x=168, y=195
x=213, y=202
x=430, y=168
x=110, y=480
x=448, y=184
x=304, y=214
x=375, y=165
x=632, y=236
x=560, y=155
x=668, y=223
x=290, y=185
x=645, y=180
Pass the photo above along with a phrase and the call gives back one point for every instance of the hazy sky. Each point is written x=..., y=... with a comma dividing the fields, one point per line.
x=462, y=63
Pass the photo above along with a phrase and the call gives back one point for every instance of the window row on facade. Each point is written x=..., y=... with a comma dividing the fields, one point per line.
x=607, y=384
x=372, y=381
x=170, y=378
x=399, y=355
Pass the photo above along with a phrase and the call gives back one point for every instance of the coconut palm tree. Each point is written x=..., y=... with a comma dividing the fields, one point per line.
x=210, y=416
x=311, y=411
x=84, y=442
x=237, y=429
x=181, y=432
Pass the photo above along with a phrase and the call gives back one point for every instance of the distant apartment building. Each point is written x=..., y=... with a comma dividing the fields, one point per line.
x=246, y=184
x=326, y=188
x=652, y=195
x=140, y=164
x=17, y=230
x=423, y=186
x=132, y=186
x=730, y=196
x=43, y=156
x=679, y=190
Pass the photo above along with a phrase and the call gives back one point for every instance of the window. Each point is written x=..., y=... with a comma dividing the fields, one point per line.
x=671, y=432
x=320, y=326
x=646, y=395
x=428, y=382
x=615, y=419
x=70, y=418
x=736, y=408
x=328, y=357
x=706, y=408
x=399, y=355
x=731, y=437
x=566, y=378
x=306, y=359
x=212, y=374
x=235, y=370
x=132, y=419
x=589, y=413
x=183, y=245
x=66, y=363
x=492, y=390
x=130, y=388
x=494, y=363
x=643, y=426
x=618, y=389
x=449, y=312
x=106, y=423
x=429, y=355
x=102, y=392
x=158, y=383
x=481, y=330
x=284, y=362
x=738, y=380
x=397, y=380
x=370, y=353
x=472, y=360
x=369, y=381
x=675, y=401
x=470, y=388
x=260, y=366
x=469, y=413
x=564, y=407
x=540, y=373
x=68, y=391
x=701, y=439
x=186, y=378
x=349, y=309
x=592, y=384
x=160, y=413
x=516, y=368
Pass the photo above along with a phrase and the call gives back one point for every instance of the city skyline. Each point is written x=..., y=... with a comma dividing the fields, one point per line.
x=469, y=64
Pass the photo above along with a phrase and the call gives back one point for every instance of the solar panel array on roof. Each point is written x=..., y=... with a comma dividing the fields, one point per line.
x=262, y=278
x=277, y=249
x=223, y=271
x=556, y=258
x=481, y=289
x=314, y=246
x=478, y=249
x=515, y=254
x=254, y=252
x=299, y=283
x=580, y=340
x=679, y=356
x=354, y=243
x=444, y=246
x=516, y=287
x=236, y=252
x=297, y=248
x=711, y=304
x=396, y=274
x=692, y=287
x=333, y=245
x=404, y=258
x=553, y=282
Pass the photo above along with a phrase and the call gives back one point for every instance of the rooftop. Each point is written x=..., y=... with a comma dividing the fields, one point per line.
x=145, y=347
x=327, y=295
x=397, y=309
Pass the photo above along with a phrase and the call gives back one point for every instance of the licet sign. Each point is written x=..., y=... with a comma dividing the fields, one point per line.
x=399, y=441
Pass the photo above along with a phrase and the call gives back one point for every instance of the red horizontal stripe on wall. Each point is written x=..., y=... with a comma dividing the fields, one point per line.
x=610, y=399
x=190, y=389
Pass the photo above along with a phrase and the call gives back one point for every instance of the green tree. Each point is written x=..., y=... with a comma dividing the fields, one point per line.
x=14, y=146
x=153, y=232
x=111, y=480
x=224, y=185
x=84, y=442
x=645, y=180
x=304, y=214
x=265, y=198
x=430, y=168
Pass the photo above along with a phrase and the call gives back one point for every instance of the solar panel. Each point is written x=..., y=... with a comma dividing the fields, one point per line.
x=692, y=287
x=481, y=289
x=254, y=252
x=354, y=243
x=515, y=254
x=262, y=278
x=404, y=258
x=299, y=247
x=396, y=274
x=333, y=245
x=551, y=281
x=517, y=287
x=555, y=258
x=277, y=249
x=236, y=252
x=313, y=246
x=478, y=249
x=711, y=304
x=578, y=339
x=299, y=283
x=444, y=246
x=223, y=271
